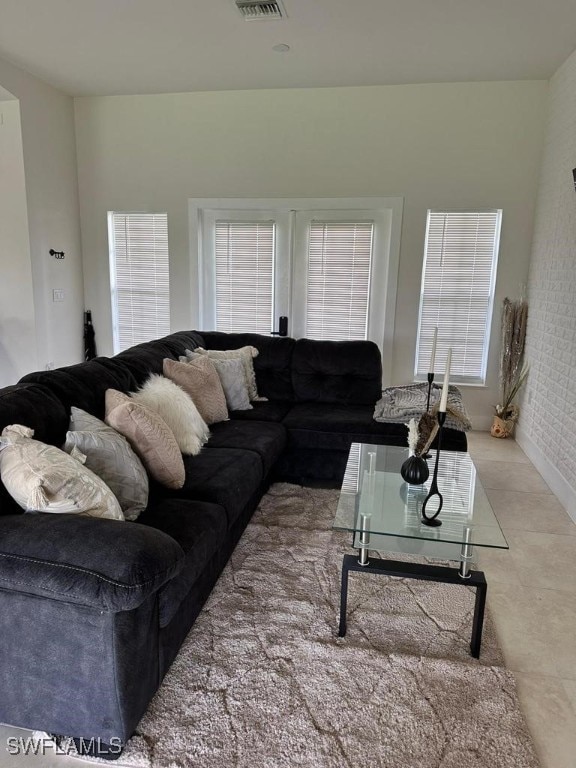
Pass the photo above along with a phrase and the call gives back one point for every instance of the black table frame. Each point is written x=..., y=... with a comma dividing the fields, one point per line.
x=424, y=572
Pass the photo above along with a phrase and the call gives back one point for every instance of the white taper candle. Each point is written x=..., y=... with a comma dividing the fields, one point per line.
x=444, y=398
x=433, y=355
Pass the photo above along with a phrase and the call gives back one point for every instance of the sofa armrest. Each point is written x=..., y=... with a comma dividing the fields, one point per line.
x=105, y=564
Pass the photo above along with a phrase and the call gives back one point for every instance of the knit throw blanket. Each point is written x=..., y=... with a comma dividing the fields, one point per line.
x=409, y=402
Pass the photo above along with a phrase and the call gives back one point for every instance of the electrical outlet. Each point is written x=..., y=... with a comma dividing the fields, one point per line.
x=58, y=294
x=50, y=365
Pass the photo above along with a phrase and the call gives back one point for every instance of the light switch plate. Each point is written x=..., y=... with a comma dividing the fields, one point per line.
x=58, y=294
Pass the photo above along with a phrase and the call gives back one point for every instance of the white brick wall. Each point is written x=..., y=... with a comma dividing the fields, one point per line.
x=548, y=419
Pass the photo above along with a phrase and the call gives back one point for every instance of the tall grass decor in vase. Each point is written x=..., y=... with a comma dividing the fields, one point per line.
x=512, y=372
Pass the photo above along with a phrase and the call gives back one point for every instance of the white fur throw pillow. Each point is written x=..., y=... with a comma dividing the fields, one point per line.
x=172, y=404
x=43, y=478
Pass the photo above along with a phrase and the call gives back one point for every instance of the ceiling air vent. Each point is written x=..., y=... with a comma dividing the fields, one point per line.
x=254, y=10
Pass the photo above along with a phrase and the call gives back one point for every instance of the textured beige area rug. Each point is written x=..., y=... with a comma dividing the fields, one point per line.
x=263, y=680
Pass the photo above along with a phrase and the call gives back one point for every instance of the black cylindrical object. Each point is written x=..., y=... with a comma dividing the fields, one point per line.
x=89, y=337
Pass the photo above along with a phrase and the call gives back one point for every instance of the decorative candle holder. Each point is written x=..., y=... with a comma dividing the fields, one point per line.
x=430, y=382
x=432, y=520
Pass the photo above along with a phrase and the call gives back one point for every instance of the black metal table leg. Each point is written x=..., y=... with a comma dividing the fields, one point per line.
x=424, y=572
x=343, y=598
x=478, y=622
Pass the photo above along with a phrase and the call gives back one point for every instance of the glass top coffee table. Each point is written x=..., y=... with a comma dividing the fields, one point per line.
x=383, y=513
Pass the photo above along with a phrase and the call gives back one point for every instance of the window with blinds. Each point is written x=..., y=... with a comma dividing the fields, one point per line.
x=457, y=292
x=245, y=276
x=338, y=285
x=139, y=275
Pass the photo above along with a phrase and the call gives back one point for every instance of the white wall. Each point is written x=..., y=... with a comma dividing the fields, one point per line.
x=18, y=354
x=548, y=417
x=49, y=150
x=461, y=145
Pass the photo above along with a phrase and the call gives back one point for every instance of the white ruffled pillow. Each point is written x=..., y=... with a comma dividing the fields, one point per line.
x=43, y=478
x=177, y=409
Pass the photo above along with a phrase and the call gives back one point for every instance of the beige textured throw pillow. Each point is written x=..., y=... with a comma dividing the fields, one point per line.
x=200, y=380
x=43, y=478
x=175, y=406
x=149, y=435
x=246, y=354
x=110, y=456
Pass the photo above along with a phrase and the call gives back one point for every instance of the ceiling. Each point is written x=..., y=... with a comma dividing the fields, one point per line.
x=98, y=47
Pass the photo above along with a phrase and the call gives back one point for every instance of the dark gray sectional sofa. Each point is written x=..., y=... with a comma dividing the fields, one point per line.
x=93, y=611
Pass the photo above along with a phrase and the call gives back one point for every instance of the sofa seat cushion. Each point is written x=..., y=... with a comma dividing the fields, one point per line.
x=334, y=427
x=225, y=476
x=267, y=439
x=105, y=564
x=272, y=410
x=200, y=529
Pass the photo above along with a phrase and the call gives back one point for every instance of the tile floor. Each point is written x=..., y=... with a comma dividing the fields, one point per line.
x=531, y=596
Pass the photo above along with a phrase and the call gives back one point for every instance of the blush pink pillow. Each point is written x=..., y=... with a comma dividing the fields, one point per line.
x=200, y=380
x=149, y=436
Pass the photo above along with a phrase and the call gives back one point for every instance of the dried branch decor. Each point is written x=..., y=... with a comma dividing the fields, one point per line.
x=512, y=372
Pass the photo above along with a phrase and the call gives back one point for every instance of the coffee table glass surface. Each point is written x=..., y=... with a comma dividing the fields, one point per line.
x=375, y=499
x=384, y=514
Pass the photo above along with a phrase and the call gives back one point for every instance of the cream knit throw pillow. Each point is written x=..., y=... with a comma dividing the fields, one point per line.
x=43, y=478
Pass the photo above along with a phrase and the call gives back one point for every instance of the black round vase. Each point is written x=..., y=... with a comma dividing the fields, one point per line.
x=415, y=470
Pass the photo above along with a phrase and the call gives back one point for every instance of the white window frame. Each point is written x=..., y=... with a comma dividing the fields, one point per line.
x=207, y=262
x=112, y=268
x=376, y=316
x=455, y=378
x=387, y=213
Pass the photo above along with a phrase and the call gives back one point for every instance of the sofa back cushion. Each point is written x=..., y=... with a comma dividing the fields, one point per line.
x=273, y=364
x=84, y=385
x=147, y=358
x=348, y=372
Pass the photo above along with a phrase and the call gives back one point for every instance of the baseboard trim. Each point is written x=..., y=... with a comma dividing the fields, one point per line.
x=480, y=422
x=565, y=492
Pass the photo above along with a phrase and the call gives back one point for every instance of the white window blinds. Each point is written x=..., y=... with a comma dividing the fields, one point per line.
x=244, y=276
x=139, y=276
x=457, y=292
x=338, y=285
